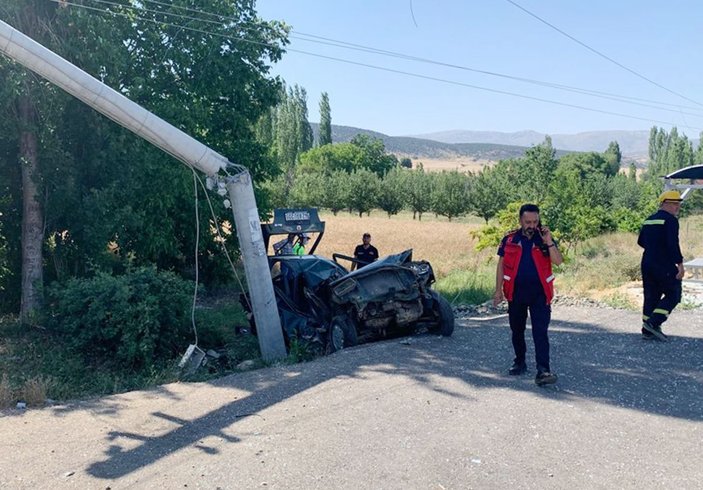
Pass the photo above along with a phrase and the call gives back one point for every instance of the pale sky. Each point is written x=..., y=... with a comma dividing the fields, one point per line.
x=658, y=40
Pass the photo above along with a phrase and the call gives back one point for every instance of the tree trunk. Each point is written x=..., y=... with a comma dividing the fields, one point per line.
x=32, y=216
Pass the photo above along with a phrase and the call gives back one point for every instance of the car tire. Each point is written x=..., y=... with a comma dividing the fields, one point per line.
x=342, y=334
x=445, y=316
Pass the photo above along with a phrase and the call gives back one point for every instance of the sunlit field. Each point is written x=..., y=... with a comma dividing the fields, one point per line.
x=462, y=164
x=446, y=245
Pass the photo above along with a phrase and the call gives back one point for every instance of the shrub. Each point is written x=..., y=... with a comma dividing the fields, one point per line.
x=132, y=321
x=34, y=391
x=7, y=394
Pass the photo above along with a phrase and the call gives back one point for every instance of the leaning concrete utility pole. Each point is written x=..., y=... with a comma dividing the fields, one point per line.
x=176, y=143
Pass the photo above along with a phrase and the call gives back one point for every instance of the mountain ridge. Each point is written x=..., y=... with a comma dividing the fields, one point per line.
x=494, y=145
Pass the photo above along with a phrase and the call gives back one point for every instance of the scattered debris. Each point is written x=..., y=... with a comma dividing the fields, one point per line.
x=192, y=359
x=246, y=365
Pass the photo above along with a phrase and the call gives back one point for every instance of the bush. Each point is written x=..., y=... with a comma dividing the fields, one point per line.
x=133, y=321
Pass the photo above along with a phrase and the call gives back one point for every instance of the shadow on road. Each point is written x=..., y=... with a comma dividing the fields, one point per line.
x=594, y=364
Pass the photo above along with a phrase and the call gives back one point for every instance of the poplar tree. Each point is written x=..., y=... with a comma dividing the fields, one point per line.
x=325, y=120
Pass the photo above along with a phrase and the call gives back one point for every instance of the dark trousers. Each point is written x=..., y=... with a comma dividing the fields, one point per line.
x=662, y=292
x=540, y=314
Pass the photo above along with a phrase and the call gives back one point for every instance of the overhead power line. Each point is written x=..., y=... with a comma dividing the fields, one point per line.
x=593, y=50
x=367, y=65
x=677, y=108
x=653, y=104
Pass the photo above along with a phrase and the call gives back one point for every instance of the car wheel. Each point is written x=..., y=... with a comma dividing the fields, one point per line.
x=342, y=333
x=445, y=316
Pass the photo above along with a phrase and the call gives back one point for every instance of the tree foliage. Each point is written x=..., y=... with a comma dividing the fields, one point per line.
x=325, y=120
x=375, y=157
x=363, y=191
x=451, y=194
x=490, y=193
x=390, y=192
x=418, y=191
x=111, y=199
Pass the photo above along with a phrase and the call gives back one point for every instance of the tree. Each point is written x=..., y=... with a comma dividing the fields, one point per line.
x=577, y=205
x=375, y=157
x=100, y=191
x=22, y=93
x=307, y=190
x=325, y=120
x=586, y=164
x=489, y=193
x=390, y=192
x=614, y=158
x=418, y=191
x=329, y=158
x=363, y=189
x=668, y=152
x=406, y=162
x=451, y=194
x=336, y=191
x=532, y=173
x=698, y=157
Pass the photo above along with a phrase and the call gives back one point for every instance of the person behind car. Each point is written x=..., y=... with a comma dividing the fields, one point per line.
x=285, y=246
x=364, y=253
x=299, y=247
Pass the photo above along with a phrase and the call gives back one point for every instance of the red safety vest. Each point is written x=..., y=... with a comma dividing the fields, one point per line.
x=511, y=263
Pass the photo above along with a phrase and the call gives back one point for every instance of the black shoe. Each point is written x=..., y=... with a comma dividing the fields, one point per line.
x=517, y=369
x=647, y=336
x=655, y=331
x=545, y=378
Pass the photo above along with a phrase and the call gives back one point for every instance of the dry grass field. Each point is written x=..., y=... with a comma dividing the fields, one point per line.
x=448, y=246
x=462, y=164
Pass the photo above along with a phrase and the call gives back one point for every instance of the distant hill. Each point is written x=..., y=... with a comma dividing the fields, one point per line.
x=494, y=145
x=634, y=144
x=427, y=148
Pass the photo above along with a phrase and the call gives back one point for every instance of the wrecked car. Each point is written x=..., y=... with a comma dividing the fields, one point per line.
x=325, y=307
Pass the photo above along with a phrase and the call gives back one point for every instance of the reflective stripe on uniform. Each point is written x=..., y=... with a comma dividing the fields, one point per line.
x=645, y=317
x=507, y=278
x=654, y=222
x=660, y=311
x=550, y=278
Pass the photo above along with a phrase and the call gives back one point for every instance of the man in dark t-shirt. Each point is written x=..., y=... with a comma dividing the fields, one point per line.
x=364, y=253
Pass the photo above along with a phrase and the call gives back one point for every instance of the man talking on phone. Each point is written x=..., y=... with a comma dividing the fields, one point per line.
x=524, y=278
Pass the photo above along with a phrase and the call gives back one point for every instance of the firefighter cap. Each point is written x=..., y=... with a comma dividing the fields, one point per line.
x=670, y=196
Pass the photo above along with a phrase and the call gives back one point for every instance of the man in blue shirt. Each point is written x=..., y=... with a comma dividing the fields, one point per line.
x=662, y=265
x=524, y=277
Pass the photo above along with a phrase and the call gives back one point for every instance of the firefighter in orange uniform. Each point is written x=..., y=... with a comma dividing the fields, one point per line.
x=524, y=278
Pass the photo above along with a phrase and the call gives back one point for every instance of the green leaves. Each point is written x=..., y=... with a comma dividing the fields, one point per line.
x=132, y=321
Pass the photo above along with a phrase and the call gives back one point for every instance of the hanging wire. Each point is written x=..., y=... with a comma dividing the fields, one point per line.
x=222, y=240
x=602, y=55
x=400, y=72
x=197, y=244
x=369, y=49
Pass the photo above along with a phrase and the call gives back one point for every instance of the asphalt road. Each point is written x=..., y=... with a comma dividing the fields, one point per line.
x=425, y=413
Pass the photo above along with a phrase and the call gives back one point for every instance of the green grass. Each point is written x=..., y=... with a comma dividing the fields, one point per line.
x=469, y=286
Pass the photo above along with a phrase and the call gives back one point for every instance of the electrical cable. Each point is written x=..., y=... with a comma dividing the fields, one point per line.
x=362, y=48
x=401, y=72
x=197, y=245
x=601, y=54
x=222, y=241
